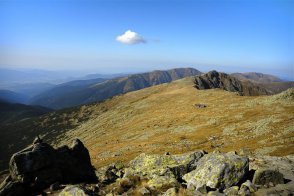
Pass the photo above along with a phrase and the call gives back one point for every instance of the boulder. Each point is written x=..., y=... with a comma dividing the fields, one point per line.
x=267, y=177
x=40, y=165
x=218, y=171
x=13, y=188
x=148, y=165
x=163, y=171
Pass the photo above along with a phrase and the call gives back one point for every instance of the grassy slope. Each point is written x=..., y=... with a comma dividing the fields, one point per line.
x=163, y=118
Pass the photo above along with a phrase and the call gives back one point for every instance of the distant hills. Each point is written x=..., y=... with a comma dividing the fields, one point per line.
x=256, y=77
x=271, y=83
x=88, y=91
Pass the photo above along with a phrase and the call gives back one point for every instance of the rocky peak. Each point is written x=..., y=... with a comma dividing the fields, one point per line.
x=214, y=79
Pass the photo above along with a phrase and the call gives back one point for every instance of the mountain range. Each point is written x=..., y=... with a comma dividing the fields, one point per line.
x=88, y=91
x=162, y=118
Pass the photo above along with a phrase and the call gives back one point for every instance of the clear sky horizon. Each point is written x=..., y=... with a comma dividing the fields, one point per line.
x=132, y=36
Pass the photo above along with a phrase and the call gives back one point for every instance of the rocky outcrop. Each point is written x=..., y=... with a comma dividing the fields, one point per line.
x=195, y=173
x=40, y=165
x=214, y=79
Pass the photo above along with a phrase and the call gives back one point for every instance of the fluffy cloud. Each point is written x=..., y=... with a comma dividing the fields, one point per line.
x=130, y=37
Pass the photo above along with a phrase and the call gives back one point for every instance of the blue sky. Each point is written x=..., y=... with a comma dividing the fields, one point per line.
x=229, y=36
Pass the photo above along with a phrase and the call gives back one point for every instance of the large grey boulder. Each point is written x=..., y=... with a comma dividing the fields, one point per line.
x=218, y=171
x=40, y=165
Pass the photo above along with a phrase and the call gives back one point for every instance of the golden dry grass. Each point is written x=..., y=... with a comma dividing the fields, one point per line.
x=163, y=118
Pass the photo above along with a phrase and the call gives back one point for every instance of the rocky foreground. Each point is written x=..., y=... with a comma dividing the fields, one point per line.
x=41, y=169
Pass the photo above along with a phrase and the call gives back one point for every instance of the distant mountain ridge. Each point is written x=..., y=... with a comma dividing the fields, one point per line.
x=256, y=77
x=214, y=79
x=102, y=90
x=271, y=83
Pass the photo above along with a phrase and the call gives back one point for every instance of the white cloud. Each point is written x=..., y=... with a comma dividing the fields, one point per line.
x=130, y=37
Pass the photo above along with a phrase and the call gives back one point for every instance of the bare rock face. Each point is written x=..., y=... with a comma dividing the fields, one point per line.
x=40, y=165
x=214, y=79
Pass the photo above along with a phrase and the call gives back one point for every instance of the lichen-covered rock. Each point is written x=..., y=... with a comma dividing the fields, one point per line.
x=110, y=173
x=76, y=190
x=215, y=193
x=144, y=191
x=149, y=165
x=218, y=170
x=247, y=188
x=163, y=171
x=171, y=192
x=162, y=182
x=232, y=190
x=267, y=176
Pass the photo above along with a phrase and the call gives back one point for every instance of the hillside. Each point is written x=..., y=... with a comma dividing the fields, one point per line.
x=13, y=112
x=256, y=77
x=68, y=95
x=164, y=118
x=13, y=97
x=214, y=79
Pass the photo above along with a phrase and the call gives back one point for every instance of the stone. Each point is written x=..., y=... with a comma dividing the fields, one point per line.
x=40, y=165
x=171, y=192
x=200, y=105
x=248, y=188
x=215, y=193
x=13, y=188
x=232, y=190
x=76, y=190
x=162, y=171
x=218, y=171
x=144, y=191
x=107, y=174
x=268, y=177
x=55, y=186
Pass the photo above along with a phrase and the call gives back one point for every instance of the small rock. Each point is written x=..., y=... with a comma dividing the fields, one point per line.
x=144, y=191
x=171, y=192
x=73, y=190
x=55, y=186
x=215, y=193
x=200, y=105
x=232, y=190
x=249, y=185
